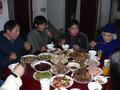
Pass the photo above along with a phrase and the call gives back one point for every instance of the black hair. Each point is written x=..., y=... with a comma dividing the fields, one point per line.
x=70, y=23
x=9, y=25
x=40, y=20
x=73, y=22
x=115, y=69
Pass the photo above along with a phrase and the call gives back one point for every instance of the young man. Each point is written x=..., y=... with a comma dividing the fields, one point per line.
x=39, y=37
x=74, y=37
x=11, y=44
x=107, y=42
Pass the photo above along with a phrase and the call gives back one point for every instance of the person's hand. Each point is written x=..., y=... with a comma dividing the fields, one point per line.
x=62, y=42
x=43, y=49
x=19, y=70
x=93, y=44
x=12, y=56
x=76, y=47
x=50, y=34
x=27, y=46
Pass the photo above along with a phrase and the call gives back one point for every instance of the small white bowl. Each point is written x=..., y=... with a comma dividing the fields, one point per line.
x=92, y=53
x=65, y=47
x=94, y=86
x=50, y=46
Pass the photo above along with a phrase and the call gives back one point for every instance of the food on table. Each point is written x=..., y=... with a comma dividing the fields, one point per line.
x=100, y=79
x=42, y=67
x=82, y=76
x=63, y=52
x=40, y=75
x=59, y=69
x=82, y=65
x=56, y=51
x=79, y=56
x=73, y=66
x=95, y=70
x=59, y=59
x=61, y=80
x=91, y=62
x=28, y=58
x=45, y=56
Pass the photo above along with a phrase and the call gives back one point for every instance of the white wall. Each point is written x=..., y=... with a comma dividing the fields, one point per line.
x=56, y=12
x=36, y=7
x=4, y=16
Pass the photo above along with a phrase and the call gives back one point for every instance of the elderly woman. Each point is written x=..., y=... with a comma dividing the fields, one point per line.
x=107, y=42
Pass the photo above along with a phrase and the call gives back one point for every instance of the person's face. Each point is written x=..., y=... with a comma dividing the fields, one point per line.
x=107, y=36
x=74, y=30
x=14, y=33
x=41, y=27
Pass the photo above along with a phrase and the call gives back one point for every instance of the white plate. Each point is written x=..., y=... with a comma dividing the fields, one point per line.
x=44, y=54
x=81, y=81
x=36, y=62
x=73, y=64
x=62, y=75
x=41, y=73
x=90, y=62
x=92, y=70
x=100, y=79
x=30, y=55
x=52, y=71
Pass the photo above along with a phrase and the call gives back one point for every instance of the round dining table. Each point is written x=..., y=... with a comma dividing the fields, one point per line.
x=29, y=83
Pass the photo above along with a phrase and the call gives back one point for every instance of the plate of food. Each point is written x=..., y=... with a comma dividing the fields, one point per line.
x=45, y=56
x=40, y=75
x=61, y=80
x=82, y=76
x=28, y=58
x=41, y=65
x=79, y=56
x=95, y=71
x=74, y=66
x=100, y=79
x=82, y=65
x=59, y=69
x=59, y=58
x=91, y=62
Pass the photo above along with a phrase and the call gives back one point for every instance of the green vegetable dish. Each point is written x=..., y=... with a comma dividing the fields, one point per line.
x=40, y=75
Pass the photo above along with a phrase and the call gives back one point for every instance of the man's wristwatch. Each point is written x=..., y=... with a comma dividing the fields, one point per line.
x=14, y=75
